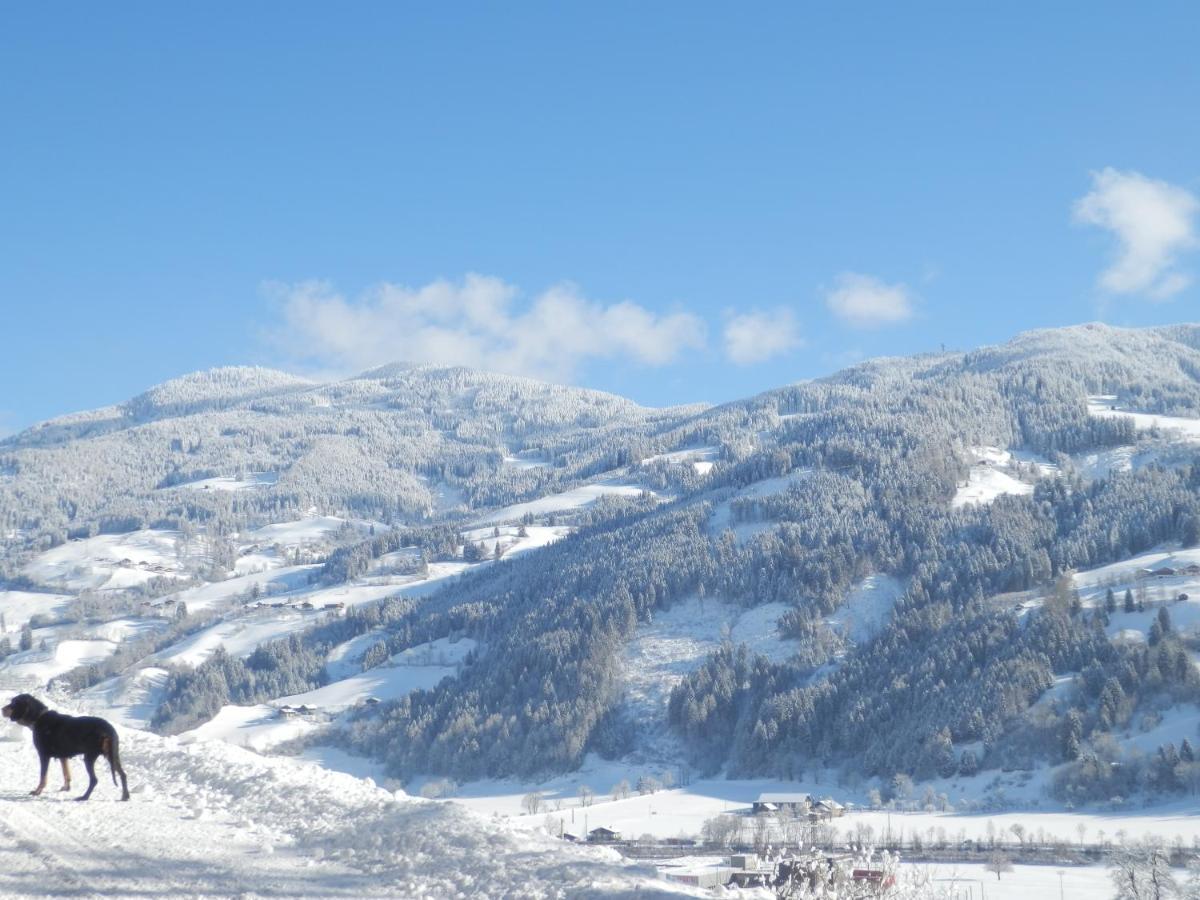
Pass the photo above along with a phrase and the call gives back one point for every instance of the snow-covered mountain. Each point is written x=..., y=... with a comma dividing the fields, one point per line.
x=951, y=568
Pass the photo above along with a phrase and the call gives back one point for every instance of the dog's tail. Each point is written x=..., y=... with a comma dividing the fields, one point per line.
x=110, y=749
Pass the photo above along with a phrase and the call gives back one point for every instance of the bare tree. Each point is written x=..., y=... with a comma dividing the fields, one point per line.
x=532, y=803
x=999, y=863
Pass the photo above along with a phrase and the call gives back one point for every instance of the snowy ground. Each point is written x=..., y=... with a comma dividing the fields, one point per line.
x=702, y=459
x=1183, y=429
x=678, y=640
x=310, y=530
x=972, y=881
x=995, y=471
x=682, y=811
x=567, y=501
x=109, y=561
x=19, y=607
x=224, y=483
x=867, y=607
x=266, y=725
x=207, y=819
x=239, y=637
x=511, y=542
x=722, y=514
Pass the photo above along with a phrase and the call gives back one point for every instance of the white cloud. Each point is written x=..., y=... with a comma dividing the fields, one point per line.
x=478, y=322
x=865, y=302
x=1154, y=224
x=757, y=336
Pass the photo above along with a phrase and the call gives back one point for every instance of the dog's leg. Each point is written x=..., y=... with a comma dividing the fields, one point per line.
x=66, y=776
x=89, y=763
x=108, y=747
x=45, y=764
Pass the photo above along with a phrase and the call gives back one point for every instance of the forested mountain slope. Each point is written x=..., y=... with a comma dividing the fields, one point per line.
x=986, y=486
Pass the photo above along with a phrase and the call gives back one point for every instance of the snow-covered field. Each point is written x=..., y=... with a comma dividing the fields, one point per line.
x=995, y=471
x=239, y=637
x=37, y=666
x=210, y=820
x=702, y=459
x=19, y=607
x=511, y=542
x=1178, y=427
x=228, y=483
x=682, y=811
x=268, y=582
x=311, y=530
x=108, y=561
x=567, y=501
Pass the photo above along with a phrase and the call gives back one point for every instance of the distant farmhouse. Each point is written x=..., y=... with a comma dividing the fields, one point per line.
x=796, y=804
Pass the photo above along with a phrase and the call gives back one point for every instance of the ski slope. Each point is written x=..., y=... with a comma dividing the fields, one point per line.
x=210, y=820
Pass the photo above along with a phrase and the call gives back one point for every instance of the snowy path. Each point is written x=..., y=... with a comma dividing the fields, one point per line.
x=210, y=820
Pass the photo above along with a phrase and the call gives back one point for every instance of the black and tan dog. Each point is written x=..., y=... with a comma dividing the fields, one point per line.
x=59, y=736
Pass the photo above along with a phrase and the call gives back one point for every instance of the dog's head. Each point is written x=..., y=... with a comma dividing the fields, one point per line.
x=24, y=709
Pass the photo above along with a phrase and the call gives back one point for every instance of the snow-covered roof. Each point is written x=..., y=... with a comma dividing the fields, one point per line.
x=777, y=797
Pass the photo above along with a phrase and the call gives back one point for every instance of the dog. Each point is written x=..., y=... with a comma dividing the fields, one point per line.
x=59, y=736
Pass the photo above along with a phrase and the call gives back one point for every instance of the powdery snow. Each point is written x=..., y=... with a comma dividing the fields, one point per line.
x=420, y=667
x=510, y=540
x=523, y=462
x=129, y=699
x=345, y=659
x=208, y=819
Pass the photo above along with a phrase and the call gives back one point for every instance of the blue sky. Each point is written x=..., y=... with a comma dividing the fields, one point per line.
x=676, y=202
